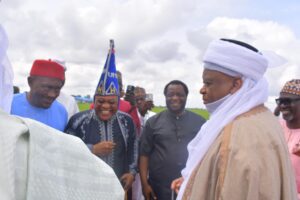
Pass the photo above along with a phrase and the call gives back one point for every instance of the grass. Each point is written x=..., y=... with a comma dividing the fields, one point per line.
x=83, y=106
x=198, y=111
x=202, y=112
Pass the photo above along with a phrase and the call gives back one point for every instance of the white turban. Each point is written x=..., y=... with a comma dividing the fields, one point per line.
x=6, y=74
x=234, y=60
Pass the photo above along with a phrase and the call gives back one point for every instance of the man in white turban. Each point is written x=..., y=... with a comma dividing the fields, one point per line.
x=240, y=152
x=38, y=162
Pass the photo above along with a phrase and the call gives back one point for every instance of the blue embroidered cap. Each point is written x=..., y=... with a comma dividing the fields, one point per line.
x=108, y=83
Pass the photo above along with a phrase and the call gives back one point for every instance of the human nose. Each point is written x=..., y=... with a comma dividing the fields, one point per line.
x=53, y=93
x=283, y=105
x=105, y=105
x=202, y=90
x=175, y=97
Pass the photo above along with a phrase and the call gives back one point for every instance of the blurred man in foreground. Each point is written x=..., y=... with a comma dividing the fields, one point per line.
x=38, y=162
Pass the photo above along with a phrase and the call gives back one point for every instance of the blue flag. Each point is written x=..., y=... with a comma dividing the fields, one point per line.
x=108, y=83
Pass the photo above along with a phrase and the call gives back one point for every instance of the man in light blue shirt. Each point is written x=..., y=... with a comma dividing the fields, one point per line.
x=46, y=79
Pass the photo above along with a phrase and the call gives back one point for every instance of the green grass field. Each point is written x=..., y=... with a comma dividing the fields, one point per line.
x=198, y=111
x=202, y=112
x=83, y=106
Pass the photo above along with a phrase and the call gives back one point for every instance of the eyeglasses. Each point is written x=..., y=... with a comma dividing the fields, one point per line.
x=286, y=101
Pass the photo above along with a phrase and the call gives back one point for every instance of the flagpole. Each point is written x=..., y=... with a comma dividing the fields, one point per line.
x=112, y=45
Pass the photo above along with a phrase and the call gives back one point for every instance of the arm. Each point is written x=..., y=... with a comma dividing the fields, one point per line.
x=100, y=149
x=132, y=149
x=143, y=166
x=132, y=157
x=71, y=128
x=146, y=147
x=147, y=190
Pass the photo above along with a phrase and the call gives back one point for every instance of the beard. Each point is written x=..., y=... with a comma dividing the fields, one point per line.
x=288, y=117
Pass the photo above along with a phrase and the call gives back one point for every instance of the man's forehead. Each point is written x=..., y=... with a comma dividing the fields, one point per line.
x=106, y=96
x=140, y=94
x=213, y=75
x=44, y=79
x=175, y=87
x=139, y=91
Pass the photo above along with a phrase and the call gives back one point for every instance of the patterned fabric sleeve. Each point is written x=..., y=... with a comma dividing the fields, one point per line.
x=132, y=150
x=71, y=129
x=78, y=122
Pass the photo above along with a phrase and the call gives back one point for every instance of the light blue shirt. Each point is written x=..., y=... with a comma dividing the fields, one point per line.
x=55, y=116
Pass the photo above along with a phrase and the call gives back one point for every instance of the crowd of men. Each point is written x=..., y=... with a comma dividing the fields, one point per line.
x=120, y=149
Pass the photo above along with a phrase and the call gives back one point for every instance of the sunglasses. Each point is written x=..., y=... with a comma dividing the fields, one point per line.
x=286, y=101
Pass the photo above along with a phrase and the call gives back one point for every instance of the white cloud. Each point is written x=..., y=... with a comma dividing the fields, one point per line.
x=156, y=41
x=264, y=35
x=162, y=52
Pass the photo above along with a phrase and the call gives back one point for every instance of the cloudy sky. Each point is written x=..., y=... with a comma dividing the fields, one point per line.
x=156, y=41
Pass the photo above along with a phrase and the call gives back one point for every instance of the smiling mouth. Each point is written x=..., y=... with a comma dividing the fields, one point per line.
x=105, y=112
x=48, y=101
x=285, y=112
x=175, y=104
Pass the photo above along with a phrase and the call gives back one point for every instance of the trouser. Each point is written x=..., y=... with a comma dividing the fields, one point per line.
x=162, y=190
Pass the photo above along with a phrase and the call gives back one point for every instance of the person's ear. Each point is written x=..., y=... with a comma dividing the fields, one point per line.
x=30, y=81
x=237, y=84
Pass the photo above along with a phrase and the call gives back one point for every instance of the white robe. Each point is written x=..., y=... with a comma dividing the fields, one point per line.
x=249, y=160
x=38, y=162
